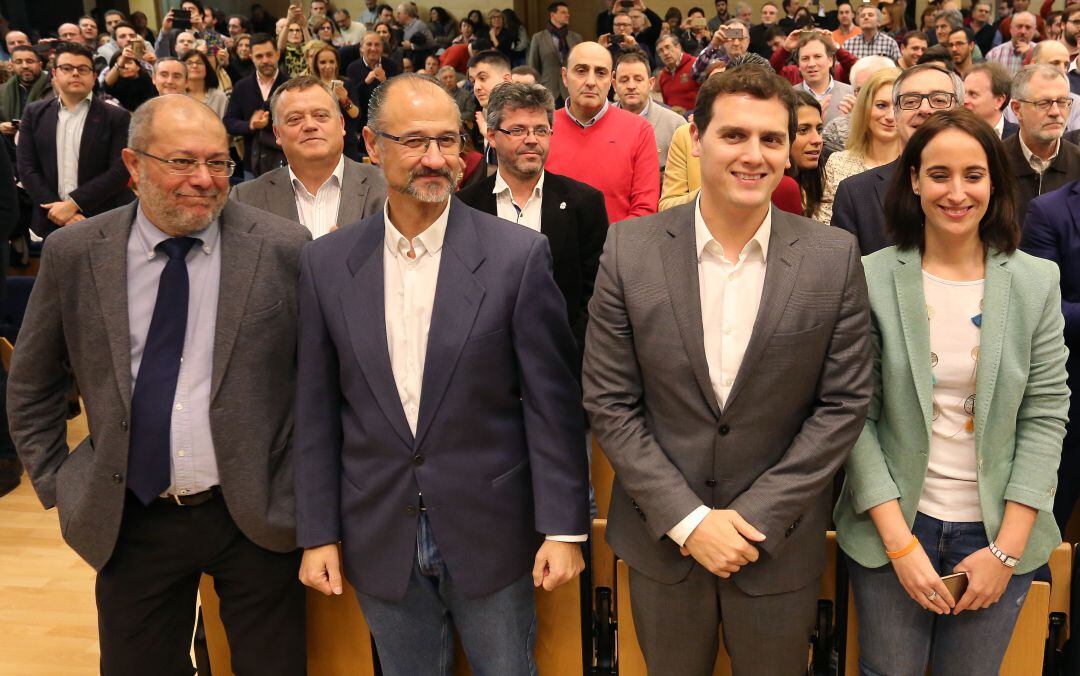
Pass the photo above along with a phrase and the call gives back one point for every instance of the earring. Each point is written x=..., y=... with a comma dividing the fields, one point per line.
x=916, y=192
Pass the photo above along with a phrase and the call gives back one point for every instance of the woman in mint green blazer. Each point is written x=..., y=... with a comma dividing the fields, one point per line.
x=955, y=470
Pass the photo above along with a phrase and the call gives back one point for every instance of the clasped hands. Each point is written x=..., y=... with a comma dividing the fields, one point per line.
x=722, y=542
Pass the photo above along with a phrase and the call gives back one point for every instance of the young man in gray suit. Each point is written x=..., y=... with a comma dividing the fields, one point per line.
x=727, y=375
x=320, y=188
x=549, y=49
x=438, y=415
x=177, y=317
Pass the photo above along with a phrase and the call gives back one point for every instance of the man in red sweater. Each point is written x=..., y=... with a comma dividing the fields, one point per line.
x=596, y=143
x=677, y=84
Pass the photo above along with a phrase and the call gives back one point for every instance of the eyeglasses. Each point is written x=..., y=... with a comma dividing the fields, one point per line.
x=449, y=144
x=1044, y=105
x=68, y=69
x=937, y=100
x=185, y=166
x=522, y=132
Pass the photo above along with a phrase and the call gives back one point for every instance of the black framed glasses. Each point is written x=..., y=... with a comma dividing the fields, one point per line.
x=522, y=132
x=1044, y=105
x=185, y=166
x=448, y=144
x=937, y=100
x=68, y=69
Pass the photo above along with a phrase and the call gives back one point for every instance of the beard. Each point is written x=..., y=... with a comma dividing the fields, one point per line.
x=164, y=206
x=436, y=194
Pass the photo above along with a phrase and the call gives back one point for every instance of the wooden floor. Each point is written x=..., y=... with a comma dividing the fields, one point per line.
x=48, y=622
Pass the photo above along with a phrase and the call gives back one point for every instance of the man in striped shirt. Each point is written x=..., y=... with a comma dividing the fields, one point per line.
x=1012, y=53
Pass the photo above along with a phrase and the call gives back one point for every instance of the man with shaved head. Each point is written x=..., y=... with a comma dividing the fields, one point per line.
x=603, y=146
x=69, y=32
x=439, y=427
x=177, y=316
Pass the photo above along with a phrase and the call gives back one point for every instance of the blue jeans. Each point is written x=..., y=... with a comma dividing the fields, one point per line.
x=898, y=637
x=416, y=634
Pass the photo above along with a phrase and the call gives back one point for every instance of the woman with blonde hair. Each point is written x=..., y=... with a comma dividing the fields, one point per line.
x=872, y=141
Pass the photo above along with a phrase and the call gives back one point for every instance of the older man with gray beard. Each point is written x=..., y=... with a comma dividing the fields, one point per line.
x=176, y=314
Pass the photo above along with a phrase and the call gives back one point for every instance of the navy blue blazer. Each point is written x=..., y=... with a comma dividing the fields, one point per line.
x=246, y=98
x=1052, y=231
x=859, y=206
x=1009, y=129
x=103, y=178
x=498, y=452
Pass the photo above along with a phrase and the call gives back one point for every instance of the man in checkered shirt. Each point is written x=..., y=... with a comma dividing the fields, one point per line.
x=871, y=41
x=1011, y=54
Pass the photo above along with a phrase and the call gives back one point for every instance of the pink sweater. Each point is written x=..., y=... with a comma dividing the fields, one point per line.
x=617, y=156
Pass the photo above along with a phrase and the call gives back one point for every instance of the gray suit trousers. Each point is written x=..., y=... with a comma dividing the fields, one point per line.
x=678, y=625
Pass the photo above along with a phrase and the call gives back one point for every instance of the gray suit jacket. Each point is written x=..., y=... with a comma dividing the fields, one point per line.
x=664, y=122
x=363, y=189
x=545, y=57
x=840, y=90
x=77, y=322
x=796, y=408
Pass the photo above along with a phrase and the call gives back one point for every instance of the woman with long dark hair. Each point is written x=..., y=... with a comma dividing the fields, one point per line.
x=202, y=81
x=443, y=27
x=806, y=149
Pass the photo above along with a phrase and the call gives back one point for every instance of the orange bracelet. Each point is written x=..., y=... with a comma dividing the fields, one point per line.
x=900, y=553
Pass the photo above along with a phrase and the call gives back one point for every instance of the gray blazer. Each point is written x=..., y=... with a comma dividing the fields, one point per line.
x=545, y=57
x=363, y=190
x=664, y=122
x=840, y=90
x=77, y=322
x=796, y=408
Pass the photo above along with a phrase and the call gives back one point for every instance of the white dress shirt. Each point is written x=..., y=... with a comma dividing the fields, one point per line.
x=409, y=283
x=730, y=296
x=527, y=214
x=319, y=212
x=69, y=131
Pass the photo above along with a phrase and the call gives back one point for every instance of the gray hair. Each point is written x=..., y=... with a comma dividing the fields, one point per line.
x=409, y=9
x=869, y=65
x=738, y=22
x=510, y=96
x=379, y=96
x=742, y=7
x=166, y=59
x=953, y=16
x=957, y=81
x=299, y=84
x=1024, y=76
x=877, y=11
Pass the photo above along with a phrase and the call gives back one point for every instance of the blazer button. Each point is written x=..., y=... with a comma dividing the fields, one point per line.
x=724, y=429
x=710, y=482
x=123, y=425
x=411, y=510
x=118, y=478
x=418, y=460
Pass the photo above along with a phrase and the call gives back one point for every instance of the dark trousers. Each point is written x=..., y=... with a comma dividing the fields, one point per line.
x=146, y=594
x=7, y=446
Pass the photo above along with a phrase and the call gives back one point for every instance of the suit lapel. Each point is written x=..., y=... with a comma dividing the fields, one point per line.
x=363, y=306
x=108, y=266
x=995, y=316
x=911, y=301
x=884, y=173
x=679, y=257
x=781, y=270
x=553, y=214
x=1074, y=206
x=240, y=249
x=458, y=295
x=279, y=194
x=95, y=122
x=354, y=190
x=47, y=133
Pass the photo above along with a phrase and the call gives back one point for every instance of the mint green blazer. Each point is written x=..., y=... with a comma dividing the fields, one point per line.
x=1021, y=401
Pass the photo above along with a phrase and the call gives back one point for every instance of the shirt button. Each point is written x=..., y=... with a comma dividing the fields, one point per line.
x=710, y=482
x=724, y=429
x=728, y=330
x=183, y=491
x=179, y=407
x=123, y=425
x=118, y=478
x=410, y=510
x=731, y=277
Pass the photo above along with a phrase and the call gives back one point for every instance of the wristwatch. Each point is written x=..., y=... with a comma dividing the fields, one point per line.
x=1009, y=561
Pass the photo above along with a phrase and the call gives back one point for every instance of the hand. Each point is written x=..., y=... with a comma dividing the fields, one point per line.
x=628, y=41
x=846, y=104
x=1023, y=47
x=918, y=577
x=481, y=124
x=718, y=38
x=127, y=55
x=791, y=42
x=987, y=579
x=556, y=564
x=721, y=542
x=7, y=128
x=149, y=56
x=380, y=73
x=259, y=119
x=166, y=23
x=75, y=219
x=321, y=569
x=604, y=40
x=342, y=95
x=824, y=101
x=196, y=20
x=406, y=45
x=827, y=36
x=371, y=76
x=228, y=41
x=61, y=212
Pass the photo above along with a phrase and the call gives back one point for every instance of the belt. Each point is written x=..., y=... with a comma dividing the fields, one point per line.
x=192, y=500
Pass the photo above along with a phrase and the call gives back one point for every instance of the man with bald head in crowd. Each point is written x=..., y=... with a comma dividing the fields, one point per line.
x=170, y=76
x=13, y=39
x=69, y=32
x=187, y=468
x=600, y=145
x=439, y=426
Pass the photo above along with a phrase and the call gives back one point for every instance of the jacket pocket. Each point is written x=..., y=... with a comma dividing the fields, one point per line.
x=516, y=469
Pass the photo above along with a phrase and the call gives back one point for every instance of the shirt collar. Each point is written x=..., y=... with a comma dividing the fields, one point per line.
x=1072, y=64
x=266, y=79
x=338, y=173
x=150, y=236
x=1037, y=163
x=429, y=241
x=828, y=90
x=80, y=104
x=502, y=186
x=999, y=126
x=703, y=236
x=596, y=118
x=644, y=111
